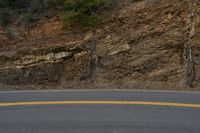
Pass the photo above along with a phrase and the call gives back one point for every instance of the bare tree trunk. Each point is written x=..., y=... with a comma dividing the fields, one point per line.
x=189, y=63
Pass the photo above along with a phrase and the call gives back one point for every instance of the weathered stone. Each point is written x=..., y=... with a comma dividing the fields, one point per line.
x=119, y=49
x=62, y=55
x=88, y=37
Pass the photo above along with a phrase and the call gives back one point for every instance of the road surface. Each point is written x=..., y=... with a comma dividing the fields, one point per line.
x=99, y=112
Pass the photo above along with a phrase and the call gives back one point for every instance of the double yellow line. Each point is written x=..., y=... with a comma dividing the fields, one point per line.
x=99, y=103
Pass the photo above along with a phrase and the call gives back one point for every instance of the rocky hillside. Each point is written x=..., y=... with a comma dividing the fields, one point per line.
x=145, y=44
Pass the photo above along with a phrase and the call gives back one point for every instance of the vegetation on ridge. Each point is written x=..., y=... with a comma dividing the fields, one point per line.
x=84, y=13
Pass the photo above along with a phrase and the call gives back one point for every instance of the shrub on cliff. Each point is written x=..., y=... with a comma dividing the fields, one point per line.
x=75, y=13
x=84, y=13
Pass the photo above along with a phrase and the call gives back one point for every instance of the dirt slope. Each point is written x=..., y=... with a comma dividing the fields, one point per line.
x=150, y=44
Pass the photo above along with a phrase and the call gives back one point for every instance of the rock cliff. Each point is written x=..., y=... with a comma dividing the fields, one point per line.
x=148, y=44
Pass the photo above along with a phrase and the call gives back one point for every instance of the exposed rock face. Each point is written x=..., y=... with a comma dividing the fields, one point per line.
x=146, y=44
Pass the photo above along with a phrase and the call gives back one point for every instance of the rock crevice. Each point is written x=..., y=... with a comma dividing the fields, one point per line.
x=188, y=57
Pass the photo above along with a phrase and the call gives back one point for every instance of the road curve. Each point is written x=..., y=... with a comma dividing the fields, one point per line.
x=99, y=112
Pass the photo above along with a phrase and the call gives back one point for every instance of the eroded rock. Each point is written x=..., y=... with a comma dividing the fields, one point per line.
x=141, y=46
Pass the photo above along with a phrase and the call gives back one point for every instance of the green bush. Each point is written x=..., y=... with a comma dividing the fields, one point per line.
x=3, y=3
x=28, y=17
x=82, y=12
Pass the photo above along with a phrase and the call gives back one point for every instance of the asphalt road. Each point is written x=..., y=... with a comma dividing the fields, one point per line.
x=99, y=118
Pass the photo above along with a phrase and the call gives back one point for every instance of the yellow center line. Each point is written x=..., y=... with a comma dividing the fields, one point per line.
x=99, y=103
